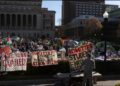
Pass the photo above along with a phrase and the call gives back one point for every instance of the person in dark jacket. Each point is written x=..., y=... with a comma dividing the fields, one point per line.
x=88, y=66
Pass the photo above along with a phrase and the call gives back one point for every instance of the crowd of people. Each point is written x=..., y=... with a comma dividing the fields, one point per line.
x=44, y=43
x=39, y=44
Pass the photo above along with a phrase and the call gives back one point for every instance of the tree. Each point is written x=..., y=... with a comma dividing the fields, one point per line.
x=92, y=28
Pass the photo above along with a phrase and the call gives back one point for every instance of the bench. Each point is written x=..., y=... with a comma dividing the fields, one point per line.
x=63, y=77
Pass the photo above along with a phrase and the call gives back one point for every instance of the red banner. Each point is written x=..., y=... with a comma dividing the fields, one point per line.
x=80, y=49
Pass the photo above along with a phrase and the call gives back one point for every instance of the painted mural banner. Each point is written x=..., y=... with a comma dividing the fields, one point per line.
x=14, y=62
x=77, y=55
x=44, y=58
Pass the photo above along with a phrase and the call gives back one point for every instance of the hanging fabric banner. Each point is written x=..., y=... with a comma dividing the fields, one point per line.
x=43, y=58
x=14, y=62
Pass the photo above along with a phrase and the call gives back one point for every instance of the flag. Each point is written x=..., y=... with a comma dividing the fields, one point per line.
x=9, y=41
x=1, y=41
x=5, y=49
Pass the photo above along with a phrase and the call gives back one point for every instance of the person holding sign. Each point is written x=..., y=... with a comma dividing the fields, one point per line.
x=88, y=66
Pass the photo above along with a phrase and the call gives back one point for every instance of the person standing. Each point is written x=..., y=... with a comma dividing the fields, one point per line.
x=88, y=66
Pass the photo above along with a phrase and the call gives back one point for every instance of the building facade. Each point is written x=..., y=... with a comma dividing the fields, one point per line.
x=26, y=18
x=115, y=13
x=72, y=9
x=110, y=8
x=77, y=27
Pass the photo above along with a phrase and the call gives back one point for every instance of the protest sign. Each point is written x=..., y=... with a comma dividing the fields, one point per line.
x=77, y=55
x=80, y=49
x=43, y=58
x=15, y=62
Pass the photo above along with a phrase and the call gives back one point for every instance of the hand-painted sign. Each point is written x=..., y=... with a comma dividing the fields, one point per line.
x=78, y=54
x=43, y=58
x=15, y=62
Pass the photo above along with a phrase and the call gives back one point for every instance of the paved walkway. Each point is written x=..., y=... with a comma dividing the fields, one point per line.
x=50, y=83
x=107, y=83
x=40, y=82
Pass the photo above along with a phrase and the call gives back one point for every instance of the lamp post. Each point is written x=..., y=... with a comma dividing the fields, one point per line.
x=105, y=16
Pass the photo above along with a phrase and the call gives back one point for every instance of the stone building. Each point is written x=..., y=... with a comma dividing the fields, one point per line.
x=115, y=13
x=110, y=8
x=26, y=18
x=75, y=29
x=72, y=9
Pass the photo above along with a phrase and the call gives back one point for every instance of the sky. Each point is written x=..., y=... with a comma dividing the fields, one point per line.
x=57, y=5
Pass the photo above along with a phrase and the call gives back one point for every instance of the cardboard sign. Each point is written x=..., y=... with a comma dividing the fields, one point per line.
x=77, y=55
x=80, y=49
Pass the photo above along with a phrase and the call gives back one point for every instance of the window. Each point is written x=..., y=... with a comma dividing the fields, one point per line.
x=19, y=20
x=13, y=20
x=24, y=20
x=44, y=15
x=2, y=20
x=34, y=20
x=29, y=20
x=8, y=20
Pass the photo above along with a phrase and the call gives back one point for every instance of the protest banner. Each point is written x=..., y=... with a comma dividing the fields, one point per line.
x=15, y=62
x=77, y=55
x=43, y=58
x=80, y=49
